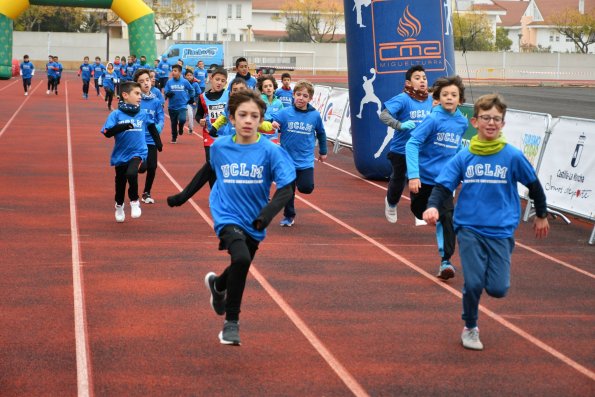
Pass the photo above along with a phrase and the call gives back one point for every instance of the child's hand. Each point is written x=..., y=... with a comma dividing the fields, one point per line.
x=202, y=122
x=322, y=158
x=414, y=185
x=276, y=125
x=541, y=226
x=431, y=215
x=408, y=125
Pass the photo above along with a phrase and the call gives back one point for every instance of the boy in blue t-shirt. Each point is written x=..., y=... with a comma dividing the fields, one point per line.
x=243, y=71
x=191, y=108
x=488, y=209
x=433, y=142
x=128, y=124
x=27, y=71
x=402, y=113
x=108, y=80
x=267, y=86
x=200, y=75
x=246, y=165
x=285, y=93
x=98, y=71
x=85, y=71
x=299, y=127
x=51, y=73
x=58, y=68
x=179, y=93
x=163, y=71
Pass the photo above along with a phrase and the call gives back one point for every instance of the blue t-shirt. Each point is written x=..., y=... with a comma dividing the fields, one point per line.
x=107, y=80
x=489, y=202
x=98, y=70
x=299, y=130
x=153, y=106
x=245, y=173
x=118, y=70
x=163, y=70
x=201, y=76
x=157, y=92
x=404, y=108
x=197, y=92
x=58, y=69
x=285, y=96
x=433, y=142
x=85, y=71
x=130, y=143
x=182, y=91
x=27, y=70
x=52, y=69
x=128, y=71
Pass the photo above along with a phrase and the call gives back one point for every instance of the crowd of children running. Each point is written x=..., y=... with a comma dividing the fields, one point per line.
x=255, y=134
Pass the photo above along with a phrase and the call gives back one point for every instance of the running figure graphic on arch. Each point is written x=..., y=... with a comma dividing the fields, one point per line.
x=357, y=6
x=390, y=132
x=369, y=94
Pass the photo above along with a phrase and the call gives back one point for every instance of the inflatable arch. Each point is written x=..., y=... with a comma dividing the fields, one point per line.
x=384, y=39
x=139, y=17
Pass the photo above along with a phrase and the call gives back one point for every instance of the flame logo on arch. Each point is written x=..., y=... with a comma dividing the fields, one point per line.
x=409, y=26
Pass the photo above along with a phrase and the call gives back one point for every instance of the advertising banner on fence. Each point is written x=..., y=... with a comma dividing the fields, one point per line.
x=333, y=112
x=321, y=94
x=344, y=137
x=567, y=170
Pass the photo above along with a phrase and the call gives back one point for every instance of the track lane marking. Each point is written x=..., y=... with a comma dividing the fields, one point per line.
x=8, y=85
x=19, y=109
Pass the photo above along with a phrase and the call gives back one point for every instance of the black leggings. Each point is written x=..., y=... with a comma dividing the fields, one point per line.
x=398, y=177
x=419, y=203
x=242, y=249
x=96, y=85
x=109, y=97
x=127, y=173
x=86, y=87
x=26, y=83
x=151, y=167
x=52, y=83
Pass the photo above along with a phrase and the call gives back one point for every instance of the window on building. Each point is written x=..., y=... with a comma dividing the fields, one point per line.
x=241, y=37
x=551, y=38
x=206, y=37
x=197, y=37
x=238, y=11
x=568, y=39
x=232, y=37
x=214, y=36
x=179, y=36
x=229, y=11
x=557, y=38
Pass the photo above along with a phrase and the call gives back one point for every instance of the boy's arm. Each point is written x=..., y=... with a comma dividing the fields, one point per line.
x=116, y=129
x=277, y=203
x=201, y=177
x=201, y=109
x=321, y=136
x=437, y=197
x=155, y=135
x=541, y=225
x=387, y=118
x=220, y=122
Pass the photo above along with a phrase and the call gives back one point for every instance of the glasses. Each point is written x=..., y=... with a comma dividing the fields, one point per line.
x=487, y=119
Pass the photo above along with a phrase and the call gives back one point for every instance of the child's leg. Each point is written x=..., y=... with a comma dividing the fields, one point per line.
x=181, y=120
x=25, y=84
x=241, y=249
x=173, y=117
x=132, y=178
x=151, y=168
x=190, y=112
x=120, y=183
x=498, y=272
x=304, y=183
x=398, y=177
x=86, y=87
x=109, y=95
x=445, y=231
x=474, y=260
x=419, y=200
x=49, y=83
x=96, y=85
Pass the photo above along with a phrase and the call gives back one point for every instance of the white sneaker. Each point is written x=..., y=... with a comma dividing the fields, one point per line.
x=120, y=215
x=26, y=93
x=135, y=211
x=470, y=339
x=420, y=222
x=390, y=212
x=47, y=92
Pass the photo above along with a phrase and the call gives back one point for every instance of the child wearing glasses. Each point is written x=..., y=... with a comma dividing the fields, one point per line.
x=488, y=208
x=433, y=142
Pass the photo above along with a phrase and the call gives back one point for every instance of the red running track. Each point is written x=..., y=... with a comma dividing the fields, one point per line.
x=341, y=304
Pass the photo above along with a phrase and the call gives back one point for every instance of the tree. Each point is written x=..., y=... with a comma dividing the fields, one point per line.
x=312, y=20
x=472, y=32
x=580, y=28
x=503, y=43
x=50, y=19
x=171, y=15
x=95, y=22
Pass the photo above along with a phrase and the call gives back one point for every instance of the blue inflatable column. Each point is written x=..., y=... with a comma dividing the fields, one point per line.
x=384, y=39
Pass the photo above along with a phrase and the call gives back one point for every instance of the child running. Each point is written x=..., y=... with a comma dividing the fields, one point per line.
x=151, y=104
x=98, y=71
x=299, y=127
x=433, y=142
x=129, y=125
x=267, y=86
x=402, y=113
x=27, y=71
x=51, y=73
x=109, y=80
x=246, y=165
x=285, y=93
x=212, y=105
x=58, y=68
x=179, y=93
x=200, y=75
x=488, y=209
x=243, y=71
x=191, y=108
x=85, y=71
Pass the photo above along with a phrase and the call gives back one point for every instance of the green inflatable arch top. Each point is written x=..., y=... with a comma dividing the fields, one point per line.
x=139, y=17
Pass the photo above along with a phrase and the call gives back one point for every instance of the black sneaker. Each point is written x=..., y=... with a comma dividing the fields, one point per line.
x=147, y=199
x=217, y=298
x=230, y=335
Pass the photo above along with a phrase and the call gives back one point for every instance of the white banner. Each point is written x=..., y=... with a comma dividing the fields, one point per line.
x=321, y=94
x=567, y=171
x=344, y=137
x=333, y=112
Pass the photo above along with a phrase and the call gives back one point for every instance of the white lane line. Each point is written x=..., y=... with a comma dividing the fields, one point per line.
x=535, y=251
x=80, y=320
x=318, y=345
x=19, y=109
x=537, y=342
x=8, y=85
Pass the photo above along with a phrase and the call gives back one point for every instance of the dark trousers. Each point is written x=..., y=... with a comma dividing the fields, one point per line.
x=127, y=173
x=398, y=177
x=304, y=182
x=445, y=231
x=117, y=86
x=109, y=97
x=151, y=167
x=241, y=248
x=51, y=83
x=96, y=81
x=26, y=84
x=86, y=87
x=162, y=82
x=178, y=119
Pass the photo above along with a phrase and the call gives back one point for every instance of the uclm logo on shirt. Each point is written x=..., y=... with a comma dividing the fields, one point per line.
x=411, y=40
